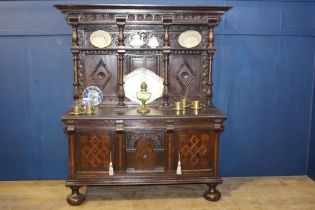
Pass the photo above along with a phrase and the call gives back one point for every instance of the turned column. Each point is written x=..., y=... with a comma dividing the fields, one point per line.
x=166, y=53
x=210, y=53
x=75, y=53
x=121, y=21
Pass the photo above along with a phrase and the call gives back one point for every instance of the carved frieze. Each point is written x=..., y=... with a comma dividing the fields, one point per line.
x=144, y=17
x=187, y=52
x=154, y=136
x=96, y=17
x=187, y=17
x=95, y=123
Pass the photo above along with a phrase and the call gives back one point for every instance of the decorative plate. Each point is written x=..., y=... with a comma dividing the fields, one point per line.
x=134, y=79
x=100, y=39
x=92, y=95
x=189, y=39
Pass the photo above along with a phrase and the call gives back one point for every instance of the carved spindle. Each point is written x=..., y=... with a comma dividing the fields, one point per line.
x=120, y=83
x=121, y=21
x=166, y=53
x=166, y=80
x=75, y=53
x=210, y=53
x=209, y=82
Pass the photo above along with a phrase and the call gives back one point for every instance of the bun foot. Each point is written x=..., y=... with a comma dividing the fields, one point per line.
x=75, y=198
x=212, y=194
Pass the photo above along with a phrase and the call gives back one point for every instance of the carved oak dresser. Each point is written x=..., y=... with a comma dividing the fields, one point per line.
x=119, y=146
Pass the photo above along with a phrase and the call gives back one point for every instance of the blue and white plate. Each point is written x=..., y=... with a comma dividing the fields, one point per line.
x=92, y=95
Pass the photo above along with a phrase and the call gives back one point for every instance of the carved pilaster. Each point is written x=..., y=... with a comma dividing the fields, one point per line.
x=69, y=129
x=218, y=126
x=120, y=147
x=169, y=146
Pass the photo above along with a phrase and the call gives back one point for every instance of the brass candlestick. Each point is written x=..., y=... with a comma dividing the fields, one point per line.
x=143, y=96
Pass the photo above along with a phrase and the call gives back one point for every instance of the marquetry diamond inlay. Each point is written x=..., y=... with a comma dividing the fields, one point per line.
x=194, y=150
x=94, y=151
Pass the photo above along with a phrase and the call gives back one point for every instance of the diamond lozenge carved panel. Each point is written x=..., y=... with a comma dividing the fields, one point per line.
x=185, y=75
x=101, y=75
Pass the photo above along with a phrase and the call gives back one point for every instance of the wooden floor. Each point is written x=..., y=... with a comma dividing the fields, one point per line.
x=263, y=193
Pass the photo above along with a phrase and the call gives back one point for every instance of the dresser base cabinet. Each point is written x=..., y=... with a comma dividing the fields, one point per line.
x=143, y=150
